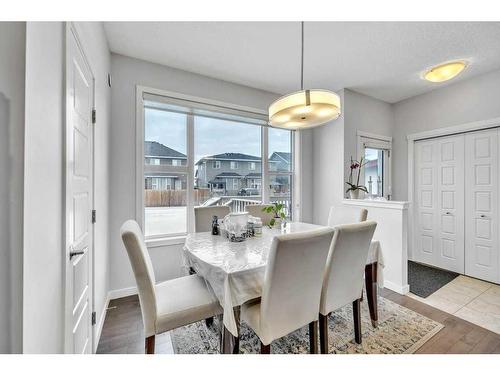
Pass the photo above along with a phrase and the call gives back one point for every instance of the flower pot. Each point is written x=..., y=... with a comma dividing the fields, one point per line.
x=354, y=194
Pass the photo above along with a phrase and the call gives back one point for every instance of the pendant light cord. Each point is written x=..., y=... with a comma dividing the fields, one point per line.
x=302, y=57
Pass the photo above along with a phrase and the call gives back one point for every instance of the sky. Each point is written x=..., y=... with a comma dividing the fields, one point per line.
x=211, y=136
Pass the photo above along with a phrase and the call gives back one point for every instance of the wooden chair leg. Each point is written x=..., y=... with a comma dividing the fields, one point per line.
x=209, y=321
x=265, y=349
x=371, y=291
x=313, y=337
x=150, y=345
x=323, y=333
x=356, y=310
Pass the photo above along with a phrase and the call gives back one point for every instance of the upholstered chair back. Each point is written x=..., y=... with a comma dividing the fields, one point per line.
x=143, y=271
x=256, y=211
x=292, y=283
x=346, y=215
x=343, y=281
x=203, y=217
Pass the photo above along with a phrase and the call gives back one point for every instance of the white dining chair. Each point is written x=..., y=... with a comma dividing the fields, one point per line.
x=291, y=289
x=256, y=211
x=343, y=276
x=170, y=304
x=346, y=215
x=203, y=217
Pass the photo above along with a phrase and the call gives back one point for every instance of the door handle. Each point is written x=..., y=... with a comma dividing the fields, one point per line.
x=75, y=253
x=482, y=215
x=448, y=213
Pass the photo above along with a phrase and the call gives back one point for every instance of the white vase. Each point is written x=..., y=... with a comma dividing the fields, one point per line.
x=354, y=194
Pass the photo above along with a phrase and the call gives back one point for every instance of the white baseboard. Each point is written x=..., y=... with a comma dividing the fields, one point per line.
x=119, y=293
x=400, y=289
x=100, y=324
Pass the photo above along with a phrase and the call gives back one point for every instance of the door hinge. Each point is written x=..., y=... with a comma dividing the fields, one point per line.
x=94, y=214
x=93, y=318
x=388, y=153
x=94, y=116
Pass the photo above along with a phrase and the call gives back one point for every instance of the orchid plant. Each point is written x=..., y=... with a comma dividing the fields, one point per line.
x=356, y=167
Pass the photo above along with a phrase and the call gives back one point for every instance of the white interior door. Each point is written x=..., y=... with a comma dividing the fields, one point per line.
x=79, y=164
x=439, y=196
x=481, y=205
x=450, y=203
x=425, y=202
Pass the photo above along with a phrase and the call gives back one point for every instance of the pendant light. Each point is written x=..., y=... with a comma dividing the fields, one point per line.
x=305, y=108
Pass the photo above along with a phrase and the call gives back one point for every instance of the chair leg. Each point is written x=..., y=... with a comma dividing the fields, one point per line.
x=371, y=291
x=209, y=321
x=323, y=333
x=313, y=337
x=356, y=310
x=150, y=345
x=265, y=349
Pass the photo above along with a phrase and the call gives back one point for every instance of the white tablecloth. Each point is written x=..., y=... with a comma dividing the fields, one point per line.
x=235, y=270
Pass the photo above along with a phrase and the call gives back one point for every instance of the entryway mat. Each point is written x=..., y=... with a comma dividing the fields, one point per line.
x=425, y=280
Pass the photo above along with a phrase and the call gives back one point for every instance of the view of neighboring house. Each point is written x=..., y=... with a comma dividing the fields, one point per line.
x=160, y=163
x=230, y=172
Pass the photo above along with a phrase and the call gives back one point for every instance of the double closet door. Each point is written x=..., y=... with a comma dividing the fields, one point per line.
x=456, y=203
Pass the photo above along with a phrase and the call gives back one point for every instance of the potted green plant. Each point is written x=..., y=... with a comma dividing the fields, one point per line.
x=355, y=188
x=278, y=209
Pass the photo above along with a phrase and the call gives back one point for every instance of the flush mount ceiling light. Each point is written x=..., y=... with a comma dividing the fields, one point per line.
x=445, y=72
x=305, y=108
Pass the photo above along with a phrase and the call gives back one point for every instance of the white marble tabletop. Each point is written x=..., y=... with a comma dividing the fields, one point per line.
x=235, y=270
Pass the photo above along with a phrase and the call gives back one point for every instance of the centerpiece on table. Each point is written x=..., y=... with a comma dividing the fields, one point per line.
x=355, y=188
x=278, y=209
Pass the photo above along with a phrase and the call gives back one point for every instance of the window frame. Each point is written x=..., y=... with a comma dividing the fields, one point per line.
x=379, y=142
x=178, y=238
x=216, y=164
x=233, y=165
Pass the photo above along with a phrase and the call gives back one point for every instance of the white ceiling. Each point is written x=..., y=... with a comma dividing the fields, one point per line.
x=380, y=59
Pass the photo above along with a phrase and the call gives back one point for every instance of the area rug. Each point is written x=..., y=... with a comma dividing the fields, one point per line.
x=425, y=280
x=399, y=331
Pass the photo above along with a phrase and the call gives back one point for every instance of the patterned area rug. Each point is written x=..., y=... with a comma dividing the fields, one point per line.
x=399, y=331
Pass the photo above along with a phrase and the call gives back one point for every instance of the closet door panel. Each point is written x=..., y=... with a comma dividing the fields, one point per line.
x=481, y=205
x=425, y=245
x=450, y=210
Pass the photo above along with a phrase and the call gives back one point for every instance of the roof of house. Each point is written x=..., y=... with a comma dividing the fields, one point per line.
x=280, y=156
x=228, y=174
x=254, y=174
x=230, y=156
x=153, y=148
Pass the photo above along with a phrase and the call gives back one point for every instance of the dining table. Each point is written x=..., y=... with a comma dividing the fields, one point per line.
x=235, y=271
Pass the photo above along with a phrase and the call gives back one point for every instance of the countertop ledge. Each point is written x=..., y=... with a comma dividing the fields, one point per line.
x=393, y=205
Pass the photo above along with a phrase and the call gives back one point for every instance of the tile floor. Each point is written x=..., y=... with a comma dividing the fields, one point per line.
x=470, y=299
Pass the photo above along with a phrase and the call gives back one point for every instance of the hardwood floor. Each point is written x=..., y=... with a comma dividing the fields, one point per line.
x=458, y=336
x=123, y=332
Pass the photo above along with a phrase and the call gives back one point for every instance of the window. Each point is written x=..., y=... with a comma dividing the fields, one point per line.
x=165, y=198
x=154, y=161
x=229, y=142
x=376, y=176
x=280, y=167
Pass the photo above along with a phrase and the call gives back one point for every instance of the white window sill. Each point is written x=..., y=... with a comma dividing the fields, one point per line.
x=395, y=205
x=165, y=241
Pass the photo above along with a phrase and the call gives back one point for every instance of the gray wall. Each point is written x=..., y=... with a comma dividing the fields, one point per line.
x=127, y=73
x=12, y=71
x=471, y=100
x=364, y=113
x=44, y=262
x=327, y=167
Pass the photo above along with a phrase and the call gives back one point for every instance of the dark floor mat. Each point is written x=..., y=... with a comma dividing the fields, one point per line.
x=425, y=280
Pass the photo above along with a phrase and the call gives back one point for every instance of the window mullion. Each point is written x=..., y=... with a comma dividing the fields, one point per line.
x=190, y=174
x=266, y=191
